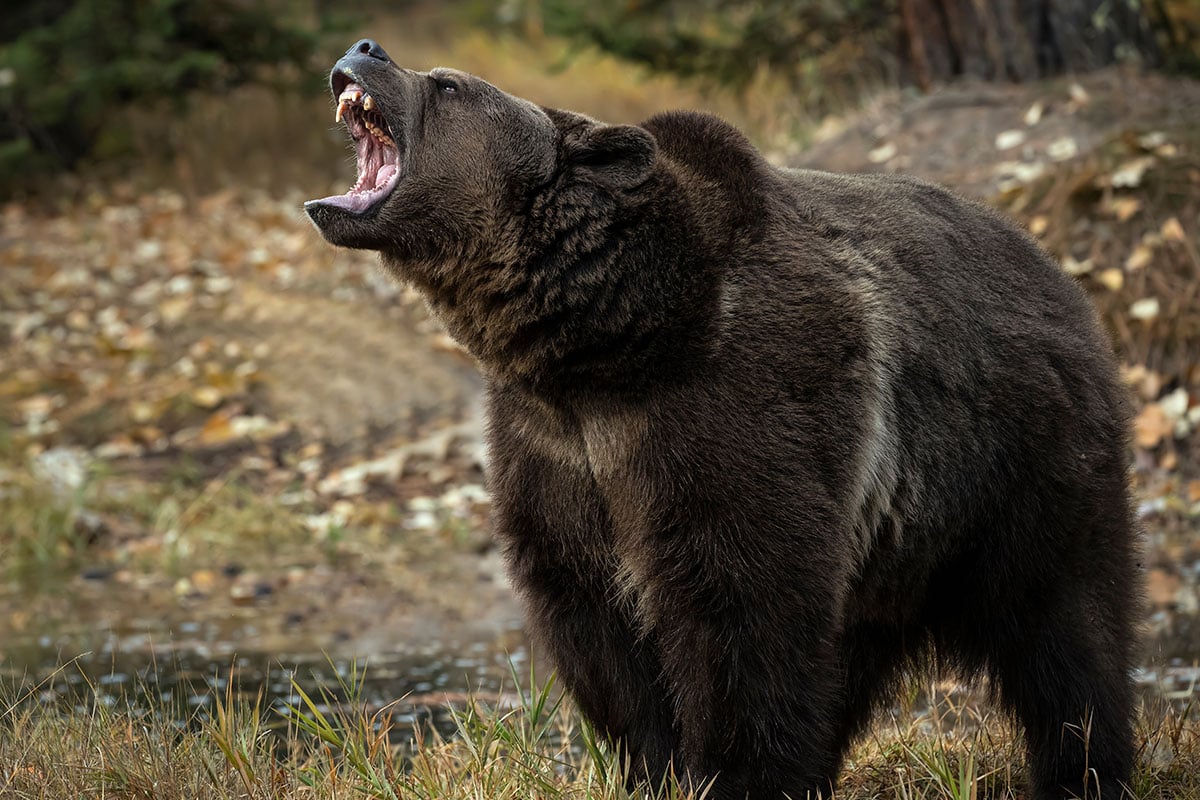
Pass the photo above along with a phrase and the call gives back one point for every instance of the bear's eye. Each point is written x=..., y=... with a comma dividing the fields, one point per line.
x=447, y=86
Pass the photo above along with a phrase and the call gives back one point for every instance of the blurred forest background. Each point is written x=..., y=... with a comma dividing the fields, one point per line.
x=218, y=435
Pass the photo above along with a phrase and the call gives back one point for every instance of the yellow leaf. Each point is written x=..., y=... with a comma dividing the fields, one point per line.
x=1112, y=279
x=207, y=396
x=1073, y=266
x=1034, y=114
x=217, y=429
x=1124, y=207
x=884, y=152
x=1039, y=224
x=1172, y=231
x=1139, y=258
x=143, y=411
x=173, y=309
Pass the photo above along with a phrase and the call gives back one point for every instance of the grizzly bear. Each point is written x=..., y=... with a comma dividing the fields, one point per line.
x=762, y=440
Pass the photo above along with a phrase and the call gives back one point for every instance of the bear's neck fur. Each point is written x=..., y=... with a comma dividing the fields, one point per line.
x=607, y=288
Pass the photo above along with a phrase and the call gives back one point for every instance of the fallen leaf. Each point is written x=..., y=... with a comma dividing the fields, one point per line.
x=204, y=580
x=1112, y=279
x=1141, y=256
x=1175, y=404
x=884, y=152
x=1172, y=230
x=1129, y=175
x=1150, y=426
x=148, y=435
x=1161, y=587
x=207, y=396
x=78, y=320
x=1039, y=224
x=1132, y=374
x=1150, y=386
x=174, y=309
x=1073, y=266
x=258, y=427
x=1124, y=207
x=1152, y=140
x=1193, y=491
x=1020, y=172
x=1144, y=309
x=121, y=446
x=216, y=429
x=1007, y=140
x=143, y=411
x=1034, y=114
x=1062, y=149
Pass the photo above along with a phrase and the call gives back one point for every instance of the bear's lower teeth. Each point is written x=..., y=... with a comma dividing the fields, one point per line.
x=379, y=134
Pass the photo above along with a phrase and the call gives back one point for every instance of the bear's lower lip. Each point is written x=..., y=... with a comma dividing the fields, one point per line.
x=364, y=200
x=379, y=157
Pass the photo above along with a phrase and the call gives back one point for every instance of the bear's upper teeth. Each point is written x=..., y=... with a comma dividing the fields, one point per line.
x=352, y=95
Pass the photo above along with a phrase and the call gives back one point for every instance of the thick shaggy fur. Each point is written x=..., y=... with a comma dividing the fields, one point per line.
x=760, y=439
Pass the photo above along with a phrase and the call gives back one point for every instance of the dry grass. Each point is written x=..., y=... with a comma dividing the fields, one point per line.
x=538, y=748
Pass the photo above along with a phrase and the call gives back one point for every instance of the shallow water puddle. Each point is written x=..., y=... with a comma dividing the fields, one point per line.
x=418, y=687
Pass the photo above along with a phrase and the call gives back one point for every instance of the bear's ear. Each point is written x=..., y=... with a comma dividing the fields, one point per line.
x=617, y=156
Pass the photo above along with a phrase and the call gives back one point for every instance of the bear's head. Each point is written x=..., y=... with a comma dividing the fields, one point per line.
x=448, y=165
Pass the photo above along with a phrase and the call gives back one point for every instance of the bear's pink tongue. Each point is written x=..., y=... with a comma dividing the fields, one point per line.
x=385, y=174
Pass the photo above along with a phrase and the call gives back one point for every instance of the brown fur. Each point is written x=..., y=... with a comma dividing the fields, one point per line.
x=761, y=439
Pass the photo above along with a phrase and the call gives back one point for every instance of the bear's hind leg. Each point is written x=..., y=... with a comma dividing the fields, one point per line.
x=1070, y=688
x=874, y=656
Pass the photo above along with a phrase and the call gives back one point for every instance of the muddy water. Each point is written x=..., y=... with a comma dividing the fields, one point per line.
x=418, y=686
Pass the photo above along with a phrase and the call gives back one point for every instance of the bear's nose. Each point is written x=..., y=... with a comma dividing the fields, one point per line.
x=368, y=47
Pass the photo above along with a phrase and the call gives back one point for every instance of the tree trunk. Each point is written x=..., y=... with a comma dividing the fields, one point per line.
x=1021, y=40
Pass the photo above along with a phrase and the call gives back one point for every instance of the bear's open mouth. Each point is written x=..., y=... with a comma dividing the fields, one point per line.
x=378, y=153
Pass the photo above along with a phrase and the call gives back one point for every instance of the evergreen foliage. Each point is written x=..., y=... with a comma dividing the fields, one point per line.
x=68, y=68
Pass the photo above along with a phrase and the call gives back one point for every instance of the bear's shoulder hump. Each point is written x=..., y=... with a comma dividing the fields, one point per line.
x=707, y=144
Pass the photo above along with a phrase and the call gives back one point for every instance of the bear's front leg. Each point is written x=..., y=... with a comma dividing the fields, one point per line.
x=557, y=537
x=753, y=662
x=745, y=602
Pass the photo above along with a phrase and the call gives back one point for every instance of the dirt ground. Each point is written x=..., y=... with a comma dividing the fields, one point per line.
x=154, y=345
x=952, y=135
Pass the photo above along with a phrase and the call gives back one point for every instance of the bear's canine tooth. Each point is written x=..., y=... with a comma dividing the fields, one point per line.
x=368, y=102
